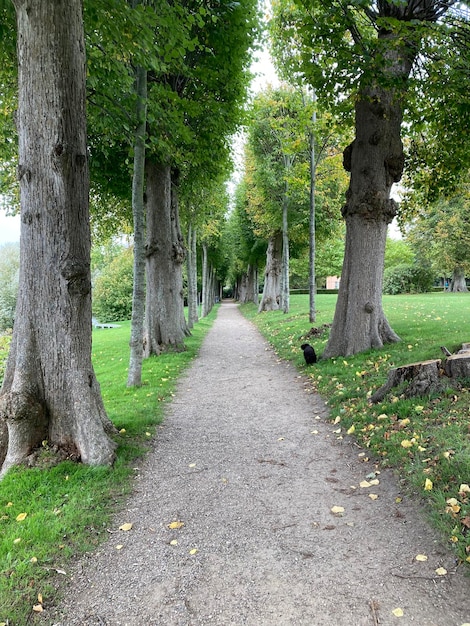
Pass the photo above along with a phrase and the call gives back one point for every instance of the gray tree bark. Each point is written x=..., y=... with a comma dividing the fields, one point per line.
x=165, y=326
x=272, y=286
x=50, y=391
x=191, y=265
x=134, y=377
x=458, y=280
x=375, y=160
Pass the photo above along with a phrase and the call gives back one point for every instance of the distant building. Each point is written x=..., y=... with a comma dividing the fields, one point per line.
x=332, y=282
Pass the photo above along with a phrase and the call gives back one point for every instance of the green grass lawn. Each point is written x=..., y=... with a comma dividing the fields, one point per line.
x=51, y=514
x=426, y=439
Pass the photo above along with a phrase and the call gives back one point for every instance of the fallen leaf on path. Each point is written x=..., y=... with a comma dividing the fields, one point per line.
x=398, y=612
x=38, y=608
x=337, y=420
x=281, y=439
x=119, y=547
x=192, y=465
x=314, y=432
x=364, y=484
x=375, y=481
x=337, y=510
x=175, y=525
x=441, y=571
x=194, y=551
x=127, y=526
x=373, y=496
x=421, y=557
x=351, y=430
x=174, y=542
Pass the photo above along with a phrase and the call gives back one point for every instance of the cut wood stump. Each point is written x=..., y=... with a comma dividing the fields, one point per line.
x=458, y=365
x=423, y=377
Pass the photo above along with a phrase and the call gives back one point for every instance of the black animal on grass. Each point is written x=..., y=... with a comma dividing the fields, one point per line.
x=309, y=353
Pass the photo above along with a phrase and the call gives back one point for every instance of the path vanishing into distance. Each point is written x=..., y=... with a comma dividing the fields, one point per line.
x=232, y=520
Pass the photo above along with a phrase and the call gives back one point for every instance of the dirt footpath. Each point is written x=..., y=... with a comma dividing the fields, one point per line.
x=247, y=464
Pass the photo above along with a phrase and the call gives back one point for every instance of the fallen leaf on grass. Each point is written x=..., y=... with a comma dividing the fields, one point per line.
x=351, y=430
x=428, y=485
x=175, y=525
x=398, y=612
x=421, y=557
x=127, y=526
x=21, y=517
x=406, y=443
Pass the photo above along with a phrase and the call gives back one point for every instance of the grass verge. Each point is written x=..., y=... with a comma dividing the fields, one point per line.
x=51, y=514
x=426, y=439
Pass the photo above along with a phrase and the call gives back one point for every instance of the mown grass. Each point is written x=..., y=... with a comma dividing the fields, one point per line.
x=51, y=514
x=423, y=438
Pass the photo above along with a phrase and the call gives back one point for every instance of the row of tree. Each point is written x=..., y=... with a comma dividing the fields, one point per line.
x=162, y=88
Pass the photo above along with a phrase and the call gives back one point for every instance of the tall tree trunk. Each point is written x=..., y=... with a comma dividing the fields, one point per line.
x=191, y=265
x=205, y=281
x=312, y=287
x=50, y=391
x=285, y=287
x=458, y=280
x=136, y=343
x=248, y=291
x=271, y=290
x=375, y=159
x=165, y=326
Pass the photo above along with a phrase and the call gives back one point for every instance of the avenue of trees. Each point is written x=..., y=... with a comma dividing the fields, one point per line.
x=118, y=118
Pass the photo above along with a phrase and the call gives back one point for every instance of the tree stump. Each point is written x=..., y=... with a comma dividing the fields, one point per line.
x=424, y=378
x=458, y=365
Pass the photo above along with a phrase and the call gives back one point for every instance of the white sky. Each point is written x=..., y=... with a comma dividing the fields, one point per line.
x=9, y=228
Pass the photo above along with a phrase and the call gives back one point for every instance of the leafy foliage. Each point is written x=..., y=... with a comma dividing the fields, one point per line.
x=112, y=291
x=408, y=279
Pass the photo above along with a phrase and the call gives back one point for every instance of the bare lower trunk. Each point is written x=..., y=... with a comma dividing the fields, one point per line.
x=206, y=307
x=50, y=391
x=248, y=286
x=285, y=288
x=272, y=287
x=191, y=265
x=134, y=377
x=165, y=325
x=359, y=322
x=458, y=280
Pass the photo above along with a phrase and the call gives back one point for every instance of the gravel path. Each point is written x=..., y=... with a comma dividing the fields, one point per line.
x=246, y=460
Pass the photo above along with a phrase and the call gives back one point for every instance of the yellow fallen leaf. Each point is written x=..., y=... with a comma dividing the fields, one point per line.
x=127, y=526
x=314, y=432
x=40, y=598
x=122, y=431
x=351, y=430
x=119, y=546
x=17, y=540
x=174, y=542
x=21, y=517
x=337, y=420
x=33, y=559
x=421, y=557
x=373, y=496
x=441, y=571
x=337, y=510
x=398, y=500
x=464, y=488
x=281, y=439
x=176, y=525
x=428, y=485
x=398, y=612
x=375, y=481
x=194, y=551
x=148, y=434
x=192, y=465
x=38, y=608
x=406, y=443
